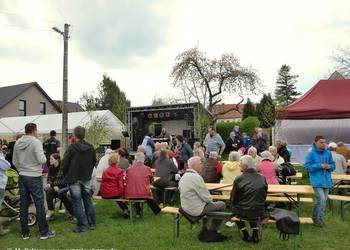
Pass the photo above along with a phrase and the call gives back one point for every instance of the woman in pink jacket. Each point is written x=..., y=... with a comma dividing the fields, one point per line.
x=268, y=168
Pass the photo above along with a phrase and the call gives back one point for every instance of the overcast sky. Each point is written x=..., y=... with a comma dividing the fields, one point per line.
x=135, y=42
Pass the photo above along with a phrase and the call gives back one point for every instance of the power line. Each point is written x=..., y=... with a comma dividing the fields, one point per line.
x=31, y=17
x=24, y=27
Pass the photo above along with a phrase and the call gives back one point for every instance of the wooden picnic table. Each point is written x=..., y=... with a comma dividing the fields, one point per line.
x=298, y=176
x=286, y=190
x=340, y=177
x=218, y=186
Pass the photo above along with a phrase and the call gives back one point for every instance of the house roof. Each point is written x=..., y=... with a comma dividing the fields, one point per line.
x=71, y=106
x=328, y=99
x=233, y=114
x=8, y=93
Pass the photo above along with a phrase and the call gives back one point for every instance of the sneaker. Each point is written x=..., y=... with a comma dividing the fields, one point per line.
x=26, y=236
x=92, y=227
x=49, y=234
x=137, y=216
x=230, y=224
x=62, y=211
x=73, y=220
x=49, y=214
x=79, y=230
x=321, y=222
x=317, y=222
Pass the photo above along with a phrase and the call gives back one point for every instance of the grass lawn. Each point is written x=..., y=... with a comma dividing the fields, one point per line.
x=155, y=232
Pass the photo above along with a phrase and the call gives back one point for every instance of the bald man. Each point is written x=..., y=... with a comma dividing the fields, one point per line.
x=197, y=201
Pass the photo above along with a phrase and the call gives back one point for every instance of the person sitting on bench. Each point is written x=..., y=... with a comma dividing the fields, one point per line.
x=112, y=186
x=248, y=198
x=196, y=200
x=165, y=170
x=138, y=180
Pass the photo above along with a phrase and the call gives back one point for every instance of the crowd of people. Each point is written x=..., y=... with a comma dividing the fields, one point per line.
x=251, y=166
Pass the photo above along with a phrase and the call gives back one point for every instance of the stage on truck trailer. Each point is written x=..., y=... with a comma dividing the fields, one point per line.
x=177, y=119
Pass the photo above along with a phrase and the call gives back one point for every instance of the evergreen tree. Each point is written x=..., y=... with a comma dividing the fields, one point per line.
x=285, y=92
x=265, y=111
x=109, y=97
x=248, y=110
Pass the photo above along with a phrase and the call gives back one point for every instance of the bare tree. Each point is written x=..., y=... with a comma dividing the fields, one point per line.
x=96, y=130
x=206, y=80
x=342, y=61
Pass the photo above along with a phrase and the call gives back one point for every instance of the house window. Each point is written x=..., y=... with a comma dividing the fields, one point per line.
x=42, y=108
x=22, y=108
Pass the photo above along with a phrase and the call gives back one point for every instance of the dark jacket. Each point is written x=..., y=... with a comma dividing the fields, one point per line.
x=260, y=142
x=210, y=171
x=50, y=146
x=78, y=162
x=166, y=170
x=249, y=194
x=232, y=145
x=185, y=152
x=284, y=153
x=55, y=177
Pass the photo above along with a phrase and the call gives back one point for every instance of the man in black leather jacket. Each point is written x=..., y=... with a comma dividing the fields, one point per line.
x=248, y=198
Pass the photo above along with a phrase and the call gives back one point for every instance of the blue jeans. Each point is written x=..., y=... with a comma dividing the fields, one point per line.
x=321, y=200
x=32, y=187
x=81, y=190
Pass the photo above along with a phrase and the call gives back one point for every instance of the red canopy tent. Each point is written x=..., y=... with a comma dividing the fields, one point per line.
x=323, y=110
x=328, y=99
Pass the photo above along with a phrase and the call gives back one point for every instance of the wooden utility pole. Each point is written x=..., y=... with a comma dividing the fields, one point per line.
x=65, y=35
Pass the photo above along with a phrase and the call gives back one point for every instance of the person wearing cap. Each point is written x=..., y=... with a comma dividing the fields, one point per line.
x=248, y=198
x=319, y=164
x=340, y=162
x=343, y=150
x=267, y=167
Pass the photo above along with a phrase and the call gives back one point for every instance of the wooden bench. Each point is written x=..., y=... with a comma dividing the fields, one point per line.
x=129, y=202
x=344, y=202
x=167, y=189
x=176, y=229
x=223, y=197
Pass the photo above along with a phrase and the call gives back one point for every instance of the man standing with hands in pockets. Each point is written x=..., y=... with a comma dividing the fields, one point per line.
x=319, y=164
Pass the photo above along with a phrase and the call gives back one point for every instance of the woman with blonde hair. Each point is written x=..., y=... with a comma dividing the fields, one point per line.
x=112, y=185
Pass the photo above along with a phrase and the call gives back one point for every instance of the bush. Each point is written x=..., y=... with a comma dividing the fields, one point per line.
x=224, y=128
x=246, y=126
x=249, y=124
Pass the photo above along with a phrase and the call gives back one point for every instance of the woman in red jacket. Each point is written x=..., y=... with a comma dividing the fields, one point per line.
x=112, y=186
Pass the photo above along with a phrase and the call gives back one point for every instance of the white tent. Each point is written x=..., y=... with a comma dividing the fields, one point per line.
x=10, y=126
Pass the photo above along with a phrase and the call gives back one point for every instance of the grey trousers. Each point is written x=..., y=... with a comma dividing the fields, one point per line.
x=211, y=223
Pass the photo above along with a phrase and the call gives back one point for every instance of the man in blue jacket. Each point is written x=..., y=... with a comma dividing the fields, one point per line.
x=319, y=164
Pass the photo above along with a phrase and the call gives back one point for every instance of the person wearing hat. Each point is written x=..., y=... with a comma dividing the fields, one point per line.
x=267, y=167
x=340, y=162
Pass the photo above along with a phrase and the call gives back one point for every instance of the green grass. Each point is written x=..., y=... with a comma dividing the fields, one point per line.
x=155, y=232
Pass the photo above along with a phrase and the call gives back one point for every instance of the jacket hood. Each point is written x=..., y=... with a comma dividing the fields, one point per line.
x=314, y=148
x=81, y=146
x=25, y=141
x=231, y=165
